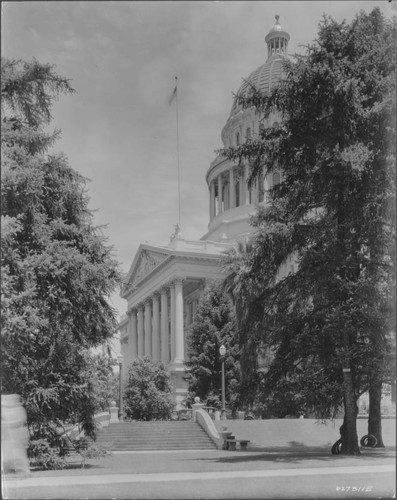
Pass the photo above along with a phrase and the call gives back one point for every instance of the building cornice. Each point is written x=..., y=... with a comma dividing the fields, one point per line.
x=175, y=256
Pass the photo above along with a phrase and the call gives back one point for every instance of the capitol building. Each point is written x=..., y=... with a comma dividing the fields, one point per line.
x=164, y=284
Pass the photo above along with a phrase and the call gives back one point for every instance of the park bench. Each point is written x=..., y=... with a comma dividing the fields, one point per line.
x=225, y=436
x=231, y=443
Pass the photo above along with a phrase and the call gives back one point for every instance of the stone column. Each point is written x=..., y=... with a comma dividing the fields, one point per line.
x=241, y=187
x=124, y=347
x=172, y=333
x=133, y=340
x=212, y=200
x=165, y=331
x=231, y=189
x=254, y=192
x=246, y=188
x=156, y=328
x=219, y=194
x=141, y=334
x=148, y=327
x=179, y=333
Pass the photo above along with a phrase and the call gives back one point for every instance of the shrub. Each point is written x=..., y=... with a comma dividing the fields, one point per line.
x=43, y=456
x=148, y=392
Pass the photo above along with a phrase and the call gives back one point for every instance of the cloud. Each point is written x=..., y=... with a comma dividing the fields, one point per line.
x=118, y=129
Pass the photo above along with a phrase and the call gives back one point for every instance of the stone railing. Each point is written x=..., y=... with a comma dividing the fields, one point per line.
x=206, y=422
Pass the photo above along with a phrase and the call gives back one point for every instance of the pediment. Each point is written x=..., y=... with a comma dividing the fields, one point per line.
x=146, y=260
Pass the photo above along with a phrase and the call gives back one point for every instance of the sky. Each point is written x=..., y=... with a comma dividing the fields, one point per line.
x=118, y=129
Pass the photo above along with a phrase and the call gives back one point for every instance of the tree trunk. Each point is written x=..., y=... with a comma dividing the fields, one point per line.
x=348, y=430
x=374, y=417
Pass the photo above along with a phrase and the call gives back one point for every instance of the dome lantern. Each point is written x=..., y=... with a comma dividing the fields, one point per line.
x=277, y=40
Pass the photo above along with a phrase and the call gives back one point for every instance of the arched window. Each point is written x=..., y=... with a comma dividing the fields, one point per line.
x=238, y=138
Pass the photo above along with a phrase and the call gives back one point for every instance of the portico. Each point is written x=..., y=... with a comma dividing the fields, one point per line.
x=163, y=288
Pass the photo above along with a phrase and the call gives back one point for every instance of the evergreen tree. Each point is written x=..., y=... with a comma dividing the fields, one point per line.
x=57, y=272
x=329, y=325
x=148, y=392
x=213, y=326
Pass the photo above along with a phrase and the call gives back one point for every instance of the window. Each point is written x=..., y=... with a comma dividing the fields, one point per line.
x=237, y=193
x=276, y=178
x=248, y=134
x=261, y=188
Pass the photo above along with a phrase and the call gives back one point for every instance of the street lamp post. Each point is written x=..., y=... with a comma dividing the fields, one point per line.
x=120, y=360
x=222, y=352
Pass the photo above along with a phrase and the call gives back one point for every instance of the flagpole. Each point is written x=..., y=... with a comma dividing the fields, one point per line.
x=177, y=153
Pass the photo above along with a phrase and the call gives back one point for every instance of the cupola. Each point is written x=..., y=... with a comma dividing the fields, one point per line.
x=277, y=40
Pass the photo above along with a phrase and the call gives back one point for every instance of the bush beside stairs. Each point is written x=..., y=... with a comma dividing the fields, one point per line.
x=167, y=435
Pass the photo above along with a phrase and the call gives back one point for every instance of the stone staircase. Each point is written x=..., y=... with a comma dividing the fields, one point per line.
x=167, y=435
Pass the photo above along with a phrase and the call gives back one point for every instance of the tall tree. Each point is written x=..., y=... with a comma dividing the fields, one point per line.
x=57, y=271
x=213, y=326
x=328, y=324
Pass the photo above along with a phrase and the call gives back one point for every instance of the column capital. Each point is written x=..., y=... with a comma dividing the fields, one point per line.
x=147, y=301
x=132, y=310
x=171, y=284
x=178, y=281
x=156, y=295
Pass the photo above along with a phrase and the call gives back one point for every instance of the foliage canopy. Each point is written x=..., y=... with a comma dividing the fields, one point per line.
x=328, y=324
x=57, y=271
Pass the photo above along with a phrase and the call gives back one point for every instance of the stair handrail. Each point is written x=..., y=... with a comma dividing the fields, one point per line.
x=207, y=424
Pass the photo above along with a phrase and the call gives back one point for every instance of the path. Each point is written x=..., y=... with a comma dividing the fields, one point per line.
x=217, y=474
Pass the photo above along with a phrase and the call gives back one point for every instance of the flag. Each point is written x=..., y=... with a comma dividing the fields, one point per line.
x=173, y=96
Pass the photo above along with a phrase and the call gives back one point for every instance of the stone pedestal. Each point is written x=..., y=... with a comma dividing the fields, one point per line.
x=114, y=413
x=195, y=407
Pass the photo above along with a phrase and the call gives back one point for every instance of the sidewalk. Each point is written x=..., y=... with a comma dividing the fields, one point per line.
x=178, y=469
